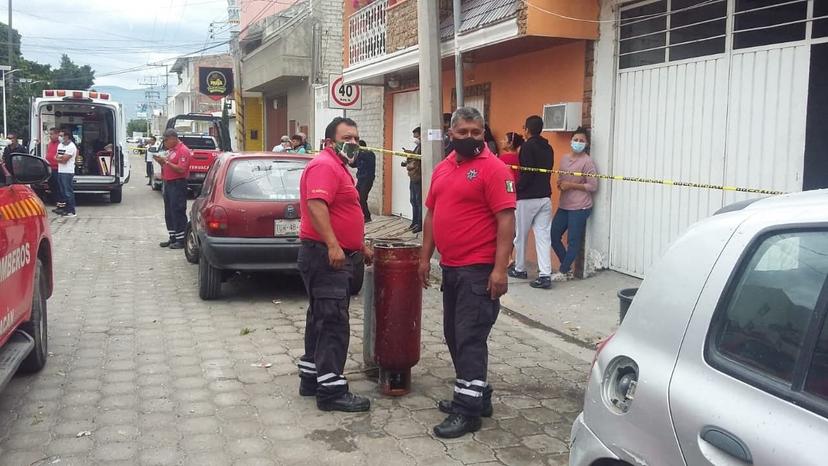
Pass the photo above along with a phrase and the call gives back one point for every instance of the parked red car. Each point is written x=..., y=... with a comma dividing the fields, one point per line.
x=247, y=219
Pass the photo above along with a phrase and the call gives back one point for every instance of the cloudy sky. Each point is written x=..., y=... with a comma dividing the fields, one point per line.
x=117, y=38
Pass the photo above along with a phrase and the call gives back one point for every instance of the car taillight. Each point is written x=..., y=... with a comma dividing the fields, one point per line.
x=216, y=221
x=48, y=93
x=93, y=95
x=77, y=95
x=61, y=93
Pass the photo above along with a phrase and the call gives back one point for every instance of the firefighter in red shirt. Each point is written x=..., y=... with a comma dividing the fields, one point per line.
x=175, y=168
x=471, y=222
x=332, y=233
x=51, y=157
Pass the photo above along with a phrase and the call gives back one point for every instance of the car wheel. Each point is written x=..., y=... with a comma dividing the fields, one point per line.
x=36, y=327
x=209, y=280
x=116, y=195
x=191, y=245
x=359, y=274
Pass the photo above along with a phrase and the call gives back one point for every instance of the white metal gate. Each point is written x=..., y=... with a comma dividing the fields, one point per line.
x=735, y=118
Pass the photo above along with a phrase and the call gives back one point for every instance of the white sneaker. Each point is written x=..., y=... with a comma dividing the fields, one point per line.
x=562, y=277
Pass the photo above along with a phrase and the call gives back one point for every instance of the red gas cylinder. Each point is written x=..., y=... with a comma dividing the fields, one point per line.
x=398, y=298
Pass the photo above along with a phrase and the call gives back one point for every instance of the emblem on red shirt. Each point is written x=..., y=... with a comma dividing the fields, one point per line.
x=471, y=174
x=510, y=186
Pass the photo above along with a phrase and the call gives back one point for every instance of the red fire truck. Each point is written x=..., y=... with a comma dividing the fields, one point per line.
x=25, y=266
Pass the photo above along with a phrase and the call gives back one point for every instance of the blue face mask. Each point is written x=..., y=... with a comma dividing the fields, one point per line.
x=578, y=147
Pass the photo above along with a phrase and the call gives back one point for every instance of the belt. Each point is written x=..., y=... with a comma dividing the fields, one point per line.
x=319, y=245
x=175, y=180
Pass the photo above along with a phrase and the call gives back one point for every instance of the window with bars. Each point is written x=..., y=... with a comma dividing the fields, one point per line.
x=820, y=28
x=765, y=22
x=669, y=30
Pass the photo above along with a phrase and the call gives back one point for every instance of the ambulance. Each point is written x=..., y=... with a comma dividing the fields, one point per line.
x=25, y=267
x=98, y=126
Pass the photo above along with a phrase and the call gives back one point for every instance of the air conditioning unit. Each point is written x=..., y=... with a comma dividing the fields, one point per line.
x=564, y=117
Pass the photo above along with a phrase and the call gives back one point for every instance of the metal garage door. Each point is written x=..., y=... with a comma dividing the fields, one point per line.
x=703, y=94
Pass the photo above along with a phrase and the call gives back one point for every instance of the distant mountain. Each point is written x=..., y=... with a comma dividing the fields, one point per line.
x=129, y=98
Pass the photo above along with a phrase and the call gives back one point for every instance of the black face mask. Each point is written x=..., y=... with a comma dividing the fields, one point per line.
x=467, y=147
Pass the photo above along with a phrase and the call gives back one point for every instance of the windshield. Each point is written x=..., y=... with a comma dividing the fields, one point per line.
x=264, y=179
x=199, y=142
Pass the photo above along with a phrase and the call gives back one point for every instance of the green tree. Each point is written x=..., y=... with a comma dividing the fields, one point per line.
x=72, y=76
x=4, y=44
x=137, y=125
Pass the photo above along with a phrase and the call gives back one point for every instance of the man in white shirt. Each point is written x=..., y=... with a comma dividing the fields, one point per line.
x=283, y=145
x=67, y=151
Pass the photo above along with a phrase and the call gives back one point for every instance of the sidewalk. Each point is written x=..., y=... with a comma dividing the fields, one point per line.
x=580, y=311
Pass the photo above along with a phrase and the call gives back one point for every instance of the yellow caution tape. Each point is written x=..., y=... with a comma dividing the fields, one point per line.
x=633, y=179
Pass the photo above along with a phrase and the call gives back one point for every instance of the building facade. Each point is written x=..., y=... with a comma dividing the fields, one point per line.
x=725, y=92
x=287, y=61
x=517, y=59
x=186, y=98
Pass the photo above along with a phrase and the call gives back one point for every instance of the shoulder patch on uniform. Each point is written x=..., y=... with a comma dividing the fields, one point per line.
x=510, y=186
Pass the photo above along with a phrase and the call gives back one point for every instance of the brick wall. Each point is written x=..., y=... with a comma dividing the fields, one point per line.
x=371, y=127
x=402, y=26
x=328, y=13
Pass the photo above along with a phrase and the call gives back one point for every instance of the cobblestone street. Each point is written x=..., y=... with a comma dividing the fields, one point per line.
x=141, y=371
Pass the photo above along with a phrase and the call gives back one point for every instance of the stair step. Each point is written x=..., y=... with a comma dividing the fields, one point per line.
x=12, y=354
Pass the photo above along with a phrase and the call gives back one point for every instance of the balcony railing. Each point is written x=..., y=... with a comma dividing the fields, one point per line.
x=367, y=33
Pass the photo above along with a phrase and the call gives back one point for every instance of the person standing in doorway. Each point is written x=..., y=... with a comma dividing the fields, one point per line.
x=51, y=158
x=575, y=205
x=471, y=222
x=175, y=169
x=534, y=207
x=297, y=145
x=446, y=134
x=67, y=151
x=148, y=158
x=415, y=183
x=332, y=236
x=365, y=163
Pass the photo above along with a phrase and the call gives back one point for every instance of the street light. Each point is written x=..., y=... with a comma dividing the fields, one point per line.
x=6, y=71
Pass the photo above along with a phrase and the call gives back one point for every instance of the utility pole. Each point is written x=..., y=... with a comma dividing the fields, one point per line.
x=10, y=44
x=458, y=56
x=431, y=103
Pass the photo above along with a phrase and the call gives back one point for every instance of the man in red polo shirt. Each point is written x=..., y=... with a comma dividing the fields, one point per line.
x=51, y=157
x=175, y=169
x=332, y=232
x=471, y=222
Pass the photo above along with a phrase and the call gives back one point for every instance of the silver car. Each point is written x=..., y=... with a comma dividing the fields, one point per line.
x=723, y=356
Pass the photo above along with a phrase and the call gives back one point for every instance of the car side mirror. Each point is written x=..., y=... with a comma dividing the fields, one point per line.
x=28, y=169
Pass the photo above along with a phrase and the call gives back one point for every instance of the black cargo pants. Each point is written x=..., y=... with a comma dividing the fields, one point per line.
x=327, y=331
x=175, y=209
x=469, y=313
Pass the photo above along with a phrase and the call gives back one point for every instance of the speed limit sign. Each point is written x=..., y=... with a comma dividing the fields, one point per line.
x=344, y=96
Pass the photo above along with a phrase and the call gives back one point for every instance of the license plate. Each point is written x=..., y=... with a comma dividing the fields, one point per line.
x=286, y=227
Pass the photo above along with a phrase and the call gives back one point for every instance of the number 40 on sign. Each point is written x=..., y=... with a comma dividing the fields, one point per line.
x=344, y=96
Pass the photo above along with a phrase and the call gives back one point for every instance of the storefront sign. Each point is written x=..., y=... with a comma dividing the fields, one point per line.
x=215, y=82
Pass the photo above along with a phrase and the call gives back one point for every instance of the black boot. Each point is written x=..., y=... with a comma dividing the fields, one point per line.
x=177, y=245
x=307, y=387
x=457, y=425
x=166, y=244
x=447, y=406
x=347, y=402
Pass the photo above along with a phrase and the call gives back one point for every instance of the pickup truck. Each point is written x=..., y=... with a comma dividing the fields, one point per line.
x=25, y=267
x=207, y=137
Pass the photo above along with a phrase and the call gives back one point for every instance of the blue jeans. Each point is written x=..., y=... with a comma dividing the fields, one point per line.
x=67, y=191
x=416, y=198
x=573, y=222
